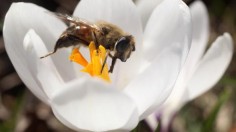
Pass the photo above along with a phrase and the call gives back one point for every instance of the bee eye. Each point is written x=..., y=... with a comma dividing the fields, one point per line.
x=122, y=44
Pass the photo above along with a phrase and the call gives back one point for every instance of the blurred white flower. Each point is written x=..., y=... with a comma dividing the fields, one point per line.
x=201, y=70
x=84, y=103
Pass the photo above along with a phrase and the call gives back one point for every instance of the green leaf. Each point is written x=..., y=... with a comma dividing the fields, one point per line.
x=227, y=80
x=208, y=124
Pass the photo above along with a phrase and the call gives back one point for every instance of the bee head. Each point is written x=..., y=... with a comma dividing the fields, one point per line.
x=124, y=46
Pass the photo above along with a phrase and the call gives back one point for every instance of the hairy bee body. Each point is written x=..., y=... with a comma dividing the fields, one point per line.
x=81, y=32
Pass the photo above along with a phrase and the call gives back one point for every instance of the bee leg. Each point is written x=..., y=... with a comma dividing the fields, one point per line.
x=105, y=60
x=65, y=40
x=50, y=53
x=95, y=39
x=112, y=64
x=59, y=44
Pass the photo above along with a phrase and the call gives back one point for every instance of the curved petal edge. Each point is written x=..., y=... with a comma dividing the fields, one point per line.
x=212, y=66
x=87, y=104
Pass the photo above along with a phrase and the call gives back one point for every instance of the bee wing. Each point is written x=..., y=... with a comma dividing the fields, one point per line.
x=67, y=19
x=73, y=20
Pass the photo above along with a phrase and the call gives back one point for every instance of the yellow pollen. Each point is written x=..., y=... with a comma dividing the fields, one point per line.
x=97, y=57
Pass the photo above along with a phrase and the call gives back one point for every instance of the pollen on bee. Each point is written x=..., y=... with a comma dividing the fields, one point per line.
x=94, y=67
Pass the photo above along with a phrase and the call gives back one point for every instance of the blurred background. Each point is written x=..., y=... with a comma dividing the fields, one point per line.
x=20, y=111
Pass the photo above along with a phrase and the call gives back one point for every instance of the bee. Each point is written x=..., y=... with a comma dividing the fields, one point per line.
x=119, y=45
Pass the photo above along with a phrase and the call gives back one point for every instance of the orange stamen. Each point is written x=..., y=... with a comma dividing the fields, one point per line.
x=97, y=57
x=77, y=57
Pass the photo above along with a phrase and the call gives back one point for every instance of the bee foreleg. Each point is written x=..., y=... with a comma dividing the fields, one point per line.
x=112, y=64
x=105, y=60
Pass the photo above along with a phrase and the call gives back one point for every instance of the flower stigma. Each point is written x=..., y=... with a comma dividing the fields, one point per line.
x=97, y=57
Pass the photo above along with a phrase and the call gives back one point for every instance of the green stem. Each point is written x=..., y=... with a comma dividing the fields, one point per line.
x=10, y=124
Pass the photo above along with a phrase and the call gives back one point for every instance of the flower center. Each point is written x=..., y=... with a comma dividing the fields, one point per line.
x=97, y=57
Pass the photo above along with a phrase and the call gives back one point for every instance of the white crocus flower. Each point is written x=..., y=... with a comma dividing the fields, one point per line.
x=84, y=103
x=201, y=70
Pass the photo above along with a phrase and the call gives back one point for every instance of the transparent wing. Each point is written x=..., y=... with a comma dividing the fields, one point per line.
x=69, y=20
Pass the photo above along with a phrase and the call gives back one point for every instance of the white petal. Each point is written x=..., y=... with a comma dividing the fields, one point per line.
x=90, y=105
x=169, y=24
x=122, y=13
x=43, y=71
x=200, y=30
x=199, y=42
x=153, y=86
x=145, y=8
x=212, y=66
x=175, y=101
x=200, y=36
x=24, y=16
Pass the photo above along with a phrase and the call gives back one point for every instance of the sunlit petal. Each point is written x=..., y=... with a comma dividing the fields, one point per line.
x=43, y=71
x=145, y=8
x=152, y=87
x=169, y=24
x=177, y=97
x=90, y=105
x=24, y=16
